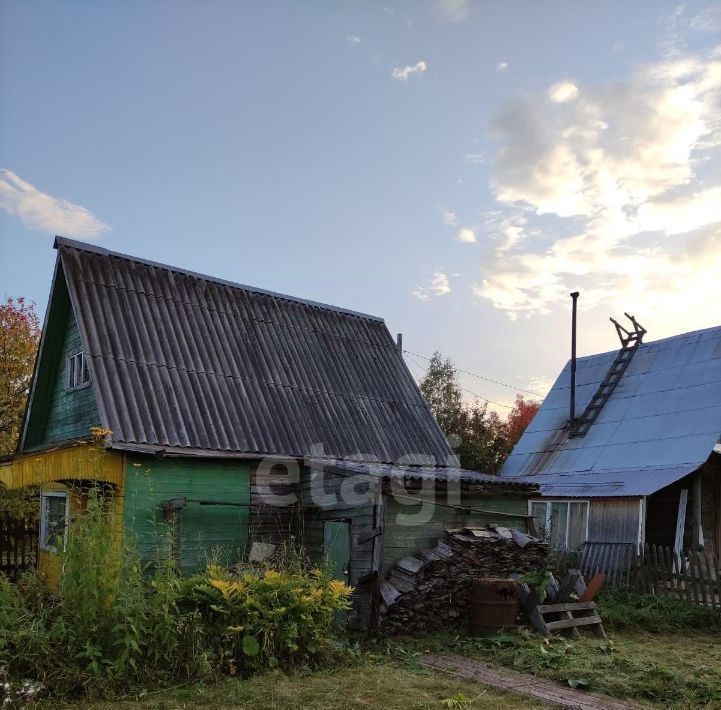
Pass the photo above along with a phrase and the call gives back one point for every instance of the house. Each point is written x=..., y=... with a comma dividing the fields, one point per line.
x=231, y=415
x=641, y=463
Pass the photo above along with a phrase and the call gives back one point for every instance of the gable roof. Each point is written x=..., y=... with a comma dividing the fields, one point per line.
x=191, y=364
x=660, y=424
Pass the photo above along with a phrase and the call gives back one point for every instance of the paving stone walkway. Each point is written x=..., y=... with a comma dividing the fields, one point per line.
x=525, y=684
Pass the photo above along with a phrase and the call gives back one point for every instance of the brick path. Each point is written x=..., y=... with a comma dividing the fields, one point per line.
x=524, y=684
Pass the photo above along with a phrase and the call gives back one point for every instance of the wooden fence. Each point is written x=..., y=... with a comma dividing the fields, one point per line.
x=692, y=576
x=18, y=546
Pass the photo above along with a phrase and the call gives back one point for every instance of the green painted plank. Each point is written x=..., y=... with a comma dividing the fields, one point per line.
x=207, y=531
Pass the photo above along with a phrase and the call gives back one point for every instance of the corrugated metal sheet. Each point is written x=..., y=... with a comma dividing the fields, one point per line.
x=660, y=424
x=186, y=361
x=417, y=473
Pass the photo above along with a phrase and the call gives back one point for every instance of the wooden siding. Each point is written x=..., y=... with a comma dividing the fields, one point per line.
x=362, y=517
x=404, y=539
x=57, y=415
x=78, y=462
x=207, y=531
x=614, y=520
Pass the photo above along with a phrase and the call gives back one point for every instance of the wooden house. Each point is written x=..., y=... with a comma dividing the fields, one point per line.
x=641, y=463
x=232, y=415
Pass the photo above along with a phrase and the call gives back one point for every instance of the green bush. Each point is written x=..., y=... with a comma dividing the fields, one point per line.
x=625, y=609
x=271, y=617
x=110, y=625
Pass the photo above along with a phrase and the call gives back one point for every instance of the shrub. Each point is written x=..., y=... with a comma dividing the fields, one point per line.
x=271, y=617
x=111, y=625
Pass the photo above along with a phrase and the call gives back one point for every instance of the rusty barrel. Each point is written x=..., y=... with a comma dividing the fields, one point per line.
x=494, y=605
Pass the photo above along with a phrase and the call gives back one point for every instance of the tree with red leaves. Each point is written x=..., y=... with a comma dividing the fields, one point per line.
x=518, y=419
x=19, y=337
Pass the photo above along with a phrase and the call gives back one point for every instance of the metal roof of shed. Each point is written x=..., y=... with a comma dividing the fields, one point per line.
x=660, y=424
x=191, y=363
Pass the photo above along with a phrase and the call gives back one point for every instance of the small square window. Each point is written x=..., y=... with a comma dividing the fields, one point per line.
x=78, y=374
x=53, y=519
x=564, y=523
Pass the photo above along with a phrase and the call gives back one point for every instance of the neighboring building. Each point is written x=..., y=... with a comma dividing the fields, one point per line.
x=235, y=415
x=647, y=463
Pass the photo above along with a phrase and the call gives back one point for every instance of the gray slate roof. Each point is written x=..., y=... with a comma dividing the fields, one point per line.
x=660, y=424
x=193, y=364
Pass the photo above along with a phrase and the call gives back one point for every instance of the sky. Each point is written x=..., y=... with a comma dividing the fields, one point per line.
x=455, y=167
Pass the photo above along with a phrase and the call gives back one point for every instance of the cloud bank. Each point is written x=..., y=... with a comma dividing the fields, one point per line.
x=613, y=188
x=45, y=213
x=439, y=286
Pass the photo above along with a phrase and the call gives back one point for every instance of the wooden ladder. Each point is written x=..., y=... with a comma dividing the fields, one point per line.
x=630, y=342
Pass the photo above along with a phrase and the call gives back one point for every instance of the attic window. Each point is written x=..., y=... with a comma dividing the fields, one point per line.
x=78, y=374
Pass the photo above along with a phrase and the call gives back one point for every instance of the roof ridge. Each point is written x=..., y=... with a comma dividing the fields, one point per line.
x=92, y=248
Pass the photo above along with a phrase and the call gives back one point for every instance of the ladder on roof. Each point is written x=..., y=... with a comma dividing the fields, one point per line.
x=630, y=342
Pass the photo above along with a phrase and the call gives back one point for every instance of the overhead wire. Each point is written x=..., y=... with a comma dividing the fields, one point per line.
x=481, y=377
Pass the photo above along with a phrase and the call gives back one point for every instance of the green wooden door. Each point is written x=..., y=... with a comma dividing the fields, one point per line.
x=336, y=540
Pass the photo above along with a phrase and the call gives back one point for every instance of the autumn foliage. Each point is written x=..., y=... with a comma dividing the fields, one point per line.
x=19, y=336
x=481, y=438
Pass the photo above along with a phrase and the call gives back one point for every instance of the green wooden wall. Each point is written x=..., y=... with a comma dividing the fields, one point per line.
x=55, y=414
x=71, y=413
x=207, y=531
x=402, y=538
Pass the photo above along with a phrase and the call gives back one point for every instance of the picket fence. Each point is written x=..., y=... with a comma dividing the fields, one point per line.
x=18, y=546
x=692, y=576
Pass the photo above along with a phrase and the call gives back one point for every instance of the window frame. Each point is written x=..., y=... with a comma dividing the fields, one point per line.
x=44, y=521
x=567, y=501
x=71, y=382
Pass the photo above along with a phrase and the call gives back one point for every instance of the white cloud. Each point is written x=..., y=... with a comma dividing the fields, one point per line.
x=562, y=92
x=352, y=39
x=448, y=217
x=453, y=10
x=43, y=212
x=402, y=73
x=502, y=66
x=708, y=20
x=474, y=158
x=616, y=192
x=466, y=234
x=439, y=286
x=539, y=384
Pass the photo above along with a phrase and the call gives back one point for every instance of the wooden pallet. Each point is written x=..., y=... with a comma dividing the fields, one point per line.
x=568, y=618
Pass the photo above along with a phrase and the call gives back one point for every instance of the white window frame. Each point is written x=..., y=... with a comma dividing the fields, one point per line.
x=77, y=374
x=44, y=520
x=567, y=501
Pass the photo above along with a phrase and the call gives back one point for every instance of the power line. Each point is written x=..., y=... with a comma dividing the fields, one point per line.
x=481, y=377
x=475, y=394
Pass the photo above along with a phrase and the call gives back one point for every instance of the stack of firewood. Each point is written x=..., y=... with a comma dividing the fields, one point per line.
x=431, y=590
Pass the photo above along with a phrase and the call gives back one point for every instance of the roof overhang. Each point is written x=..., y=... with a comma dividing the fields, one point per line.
x=619, y=483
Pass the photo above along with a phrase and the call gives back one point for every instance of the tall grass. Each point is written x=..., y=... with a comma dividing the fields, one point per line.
x=113, y=625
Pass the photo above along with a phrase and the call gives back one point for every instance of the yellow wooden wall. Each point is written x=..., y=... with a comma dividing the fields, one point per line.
x=63, y=469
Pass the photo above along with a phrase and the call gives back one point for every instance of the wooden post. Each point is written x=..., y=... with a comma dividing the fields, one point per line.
x=697, y=543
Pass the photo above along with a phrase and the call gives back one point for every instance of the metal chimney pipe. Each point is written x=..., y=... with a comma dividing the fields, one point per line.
x=572, y=407
x=399, y=343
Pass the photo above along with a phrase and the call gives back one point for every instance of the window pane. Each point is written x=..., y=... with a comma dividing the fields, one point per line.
x=71, y=372
x=538, y=512
x=54, y=520
x=577, y=525
x=559, y=518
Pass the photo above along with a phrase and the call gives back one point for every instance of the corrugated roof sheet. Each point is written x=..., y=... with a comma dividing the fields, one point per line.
x=660, y=424
x=419, y=473
x=187, y=361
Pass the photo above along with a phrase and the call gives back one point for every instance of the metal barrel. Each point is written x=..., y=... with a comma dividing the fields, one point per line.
x=494, y=605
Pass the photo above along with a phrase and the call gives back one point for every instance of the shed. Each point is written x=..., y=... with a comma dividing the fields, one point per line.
x=648, y=468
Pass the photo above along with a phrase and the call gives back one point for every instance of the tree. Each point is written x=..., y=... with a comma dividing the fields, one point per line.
x=19, y=336
x=481, y=438
x=519, y=418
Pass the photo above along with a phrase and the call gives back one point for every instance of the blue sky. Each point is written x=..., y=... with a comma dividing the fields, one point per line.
x=455, y=167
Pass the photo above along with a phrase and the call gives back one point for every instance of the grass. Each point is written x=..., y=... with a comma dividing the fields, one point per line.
x=679, y=670
x=368, y=684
